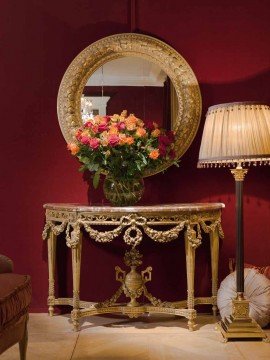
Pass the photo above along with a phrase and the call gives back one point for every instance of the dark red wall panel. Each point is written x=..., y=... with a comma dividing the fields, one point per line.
x=227, y=46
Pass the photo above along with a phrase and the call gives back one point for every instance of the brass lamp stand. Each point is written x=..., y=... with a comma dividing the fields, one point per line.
x=240, y=324
x=237, y=133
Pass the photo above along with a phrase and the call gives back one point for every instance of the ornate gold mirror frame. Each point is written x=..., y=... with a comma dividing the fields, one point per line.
x=112, y=47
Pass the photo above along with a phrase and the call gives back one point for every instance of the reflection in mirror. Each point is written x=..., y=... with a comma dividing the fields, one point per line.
x=133, y=84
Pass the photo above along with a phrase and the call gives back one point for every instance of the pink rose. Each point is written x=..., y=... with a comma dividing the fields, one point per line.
x=102, y=127
x=94, y=143
x=92, y=126
x=121, y=125
x=84, y=140
x=113, y=139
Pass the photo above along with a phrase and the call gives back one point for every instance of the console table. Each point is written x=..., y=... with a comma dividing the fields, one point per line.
x=131, y=223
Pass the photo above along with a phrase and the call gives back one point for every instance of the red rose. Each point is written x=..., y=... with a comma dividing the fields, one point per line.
x=164, y=140
x=162, y=150
x=94, y=143
x=102, y=127
x=113, y=139
x=170, y=135
x=149, y=125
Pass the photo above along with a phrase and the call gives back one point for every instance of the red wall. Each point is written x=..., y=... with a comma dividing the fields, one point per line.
x=227, y=45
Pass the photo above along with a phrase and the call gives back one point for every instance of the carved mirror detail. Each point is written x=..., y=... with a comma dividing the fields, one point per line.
x=163, y=66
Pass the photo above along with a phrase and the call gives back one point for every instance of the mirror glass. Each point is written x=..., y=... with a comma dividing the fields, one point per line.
x=133, y=84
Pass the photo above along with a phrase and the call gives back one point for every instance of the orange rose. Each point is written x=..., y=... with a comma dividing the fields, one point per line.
x=131, y=122
x=155, y=133
x=113, y=130
x=98, y=119
x=115, y=118
x=132, y=119
x=124, y=113
x=123, y=139
x=85, y=133
x=74, y=148
x=104, y=142
x=154, y=154
x=130, y=140
x=140, y=132
x=131, y=127
x=140, y=122
x=104, y=138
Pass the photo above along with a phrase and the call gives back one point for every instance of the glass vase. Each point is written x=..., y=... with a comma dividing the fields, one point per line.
x=123, y=192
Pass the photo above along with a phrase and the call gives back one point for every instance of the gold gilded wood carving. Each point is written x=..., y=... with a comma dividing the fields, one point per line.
x=133, y=235
x=133, y=283
x=121, y=45
x=192, y=219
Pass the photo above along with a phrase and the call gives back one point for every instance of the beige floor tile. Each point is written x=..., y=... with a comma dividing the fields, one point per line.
x=254, y=350
x=193, y=346
x=111, y=346
x=43, y=323
x=156, y=337
x=50, y=346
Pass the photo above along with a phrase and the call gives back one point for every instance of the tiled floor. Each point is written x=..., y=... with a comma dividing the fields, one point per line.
x=149, y=338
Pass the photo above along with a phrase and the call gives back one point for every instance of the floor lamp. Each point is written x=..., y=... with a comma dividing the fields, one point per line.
x=237, y=135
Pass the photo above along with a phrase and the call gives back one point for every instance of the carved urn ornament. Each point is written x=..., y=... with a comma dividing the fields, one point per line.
x=133, y=72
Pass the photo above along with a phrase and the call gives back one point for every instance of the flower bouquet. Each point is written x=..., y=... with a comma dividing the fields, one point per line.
x=122, y=147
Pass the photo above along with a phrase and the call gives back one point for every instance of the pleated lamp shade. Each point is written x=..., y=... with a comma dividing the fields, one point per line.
x=236, y=133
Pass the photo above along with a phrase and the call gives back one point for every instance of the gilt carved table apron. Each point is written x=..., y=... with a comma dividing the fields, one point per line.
x=132, y=223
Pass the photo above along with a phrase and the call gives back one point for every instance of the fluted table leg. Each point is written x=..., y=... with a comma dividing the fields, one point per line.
x=190, y=266
x=51, y=265
x=76, y=271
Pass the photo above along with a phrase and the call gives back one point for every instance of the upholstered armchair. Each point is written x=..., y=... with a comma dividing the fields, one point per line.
x=15, y=298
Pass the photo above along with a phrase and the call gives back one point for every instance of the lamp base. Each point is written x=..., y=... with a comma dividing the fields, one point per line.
x=239, y=325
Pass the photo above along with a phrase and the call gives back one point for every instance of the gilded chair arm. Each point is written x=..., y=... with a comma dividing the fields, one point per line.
x=6, y=265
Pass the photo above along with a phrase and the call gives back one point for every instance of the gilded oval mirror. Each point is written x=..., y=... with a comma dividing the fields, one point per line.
x=132, y=72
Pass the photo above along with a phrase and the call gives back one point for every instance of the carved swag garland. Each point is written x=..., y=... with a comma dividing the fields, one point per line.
x=133, y=234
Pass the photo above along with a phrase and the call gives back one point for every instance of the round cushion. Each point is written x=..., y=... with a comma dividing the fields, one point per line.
x=257, y=292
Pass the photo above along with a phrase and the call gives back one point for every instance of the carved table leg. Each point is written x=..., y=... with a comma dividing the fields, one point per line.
x=190, y=264
x=214, y=246
x=76, y=272
x=51, y=265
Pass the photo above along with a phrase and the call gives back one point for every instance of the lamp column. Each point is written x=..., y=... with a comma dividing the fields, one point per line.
x=240, y=325
x=239, y=175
